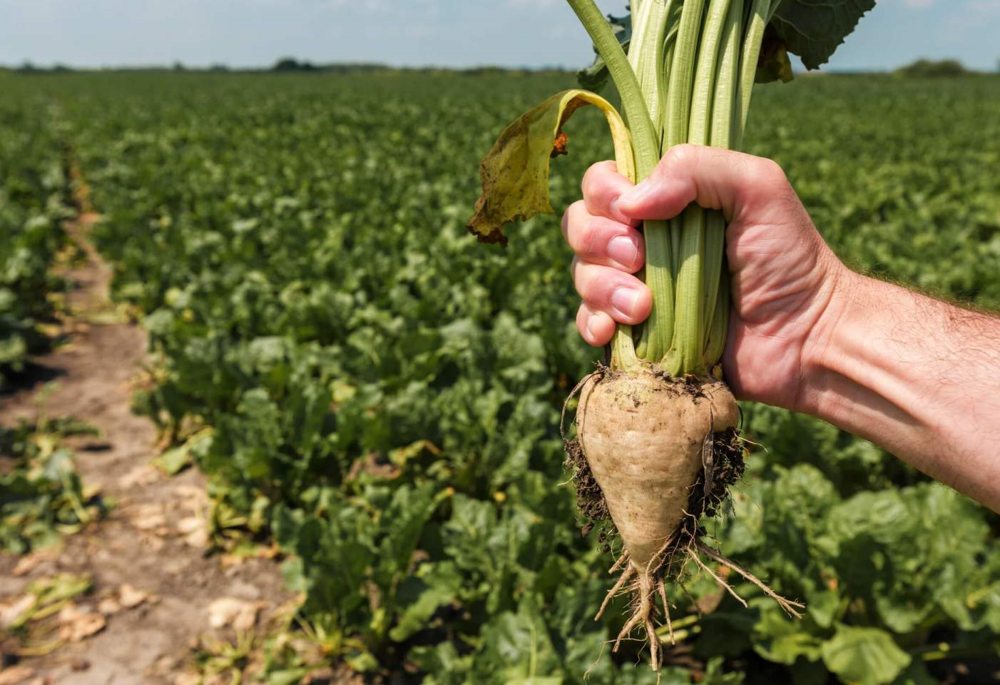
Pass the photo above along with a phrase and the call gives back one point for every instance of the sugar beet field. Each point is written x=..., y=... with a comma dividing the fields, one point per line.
x=353, y=409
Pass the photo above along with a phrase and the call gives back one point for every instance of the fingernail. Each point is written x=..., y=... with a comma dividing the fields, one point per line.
x=624, y=250
x=592, y=327
x=624, y=299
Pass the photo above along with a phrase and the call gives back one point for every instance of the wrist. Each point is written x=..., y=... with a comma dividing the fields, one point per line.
x=843, y=294
x=857, y=376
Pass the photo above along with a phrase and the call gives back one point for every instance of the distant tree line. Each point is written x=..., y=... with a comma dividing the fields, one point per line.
x=919, y=68
x=287, y=64
x=935, y=68
x=30, y=68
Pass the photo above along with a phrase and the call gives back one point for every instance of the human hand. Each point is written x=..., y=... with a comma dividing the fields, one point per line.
x=784, y=276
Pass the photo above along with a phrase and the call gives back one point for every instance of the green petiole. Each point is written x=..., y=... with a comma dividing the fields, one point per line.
x=644, y=139
x=725, y=124
x=687, y=350
x=646, y=144
x=760, y=14
x=687, y=78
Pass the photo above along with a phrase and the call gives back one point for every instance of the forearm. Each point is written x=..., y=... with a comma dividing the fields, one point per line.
x=915, y=375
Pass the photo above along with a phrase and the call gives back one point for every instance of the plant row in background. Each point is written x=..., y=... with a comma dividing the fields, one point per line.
x=380, y=397
x=41, y=495
x=33, y=206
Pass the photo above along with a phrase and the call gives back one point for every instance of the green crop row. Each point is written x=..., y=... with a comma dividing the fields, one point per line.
x=32, y=207
x=380, y=395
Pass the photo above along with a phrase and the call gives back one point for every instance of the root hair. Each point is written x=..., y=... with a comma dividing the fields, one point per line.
x=722, y=458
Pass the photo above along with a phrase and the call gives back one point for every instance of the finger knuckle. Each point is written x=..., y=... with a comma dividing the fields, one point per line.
x=590, y=178
x=569, y=219
x=771, y=172
x=592, y=238
x=680, y=156
x=588, y=287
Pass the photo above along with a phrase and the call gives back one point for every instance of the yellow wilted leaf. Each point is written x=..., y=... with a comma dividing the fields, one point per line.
x=515, y=172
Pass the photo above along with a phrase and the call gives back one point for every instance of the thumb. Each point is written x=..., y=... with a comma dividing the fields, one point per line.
x=711, y=177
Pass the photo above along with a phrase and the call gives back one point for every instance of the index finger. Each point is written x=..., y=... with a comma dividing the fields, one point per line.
x=733, y=182
x=602, y=186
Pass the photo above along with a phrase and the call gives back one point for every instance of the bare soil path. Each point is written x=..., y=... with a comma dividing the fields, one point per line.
x=156, y=587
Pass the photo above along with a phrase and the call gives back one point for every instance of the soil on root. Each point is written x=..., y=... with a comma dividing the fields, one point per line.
x=589, y=498
x=723, y=465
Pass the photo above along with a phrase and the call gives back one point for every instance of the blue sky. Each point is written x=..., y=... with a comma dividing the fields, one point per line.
x=420, y=32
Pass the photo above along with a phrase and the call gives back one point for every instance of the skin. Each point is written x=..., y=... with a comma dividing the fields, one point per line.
x=917, y=376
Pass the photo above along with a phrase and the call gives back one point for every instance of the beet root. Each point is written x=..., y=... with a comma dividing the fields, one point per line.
x=653, y=454
x=645, y=439
x=661, y=451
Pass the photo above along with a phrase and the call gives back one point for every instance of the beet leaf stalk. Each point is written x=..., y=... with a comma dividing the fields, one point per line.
x=693, y=89
x=657, y=437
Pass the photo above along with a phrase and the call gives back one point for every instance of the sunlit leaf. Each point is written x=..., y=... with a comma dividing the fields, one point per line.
x=867, y=656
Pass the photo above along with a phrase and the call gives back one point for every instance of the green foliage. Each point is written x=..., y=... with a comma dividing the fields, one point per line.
x=814, y=30
x=32, y=206
x=867, y=656
x=382, y=396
